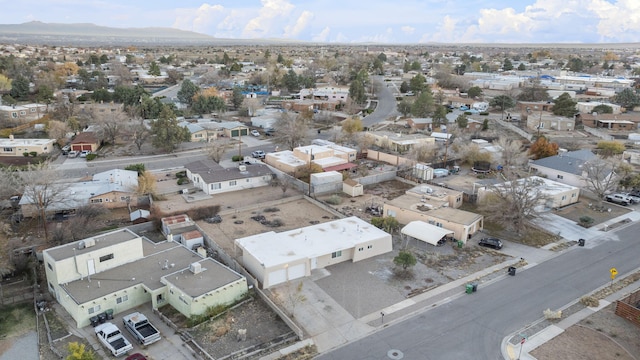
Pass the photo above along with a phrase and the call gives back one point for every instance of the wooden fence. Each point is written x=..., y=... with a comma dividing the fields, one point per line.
x=629, y=308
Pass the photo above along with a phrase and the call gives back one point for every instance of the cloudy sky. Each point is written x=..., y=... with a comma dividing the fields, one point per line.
x=352, y=21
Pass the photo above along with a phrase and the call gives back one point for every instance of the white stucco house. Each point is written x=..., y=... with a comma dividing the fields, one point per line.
x=214, y=179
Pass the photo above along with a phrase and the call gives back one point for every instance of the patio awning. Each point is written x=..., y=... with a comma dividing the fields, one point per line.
x=425, y=232
x=345, y=166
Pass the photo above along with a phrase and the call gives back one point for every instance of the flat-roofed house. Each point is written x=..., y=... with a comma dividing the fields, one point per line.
x=18, y=147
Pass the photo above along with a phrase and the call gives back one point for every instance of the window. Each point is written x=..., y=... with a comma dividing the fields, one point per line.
x=23, y=113
x=360, y=249
x=106, y=257
x=94, y=309
x=560, y=177
x=49, y=266
x=248, y=180
x=369, y=246
x=125, y=198
x=14, y=114
x=564, y=197
x=94, y=201
x=232, y=183
x=438, y=224
x=122, y=299
x=336, y=254
x=215, y=186
x=573, y=195
x=7, y=149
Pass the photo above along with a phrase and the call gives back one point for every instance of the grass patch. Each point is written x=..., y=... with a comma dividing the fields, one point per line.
x=56, y=326
x=16, y=319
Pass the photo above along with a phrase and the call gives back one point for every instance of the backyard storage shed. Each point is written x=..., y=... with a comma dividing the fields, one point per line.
x=426, y=232
x=352, y=188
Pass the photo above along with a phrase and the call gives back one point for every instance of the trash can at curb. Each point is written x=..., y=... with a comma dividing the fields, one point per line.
x=469, y=289
x=460, y=243
x=512, y=270
x=474, y=286
x=581, y=242
x=109, y=313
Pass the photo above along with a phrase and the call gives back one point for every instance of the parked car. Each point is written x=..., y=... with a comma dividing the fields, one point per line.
x=84, y=153
x=136, y=356
x=258, y=154
x=269, y=132
x=620, y=199
x=111, y=337
x=72, y=154
x=490, y=242
x=255, y=132
x=634, y=199
x=65, y=150
x=141, y=329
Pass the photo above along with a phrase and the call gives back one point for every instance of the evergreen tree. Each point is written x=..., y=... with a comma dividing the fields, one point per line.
x=564, y=106
x=187, y=92
x=167, y=133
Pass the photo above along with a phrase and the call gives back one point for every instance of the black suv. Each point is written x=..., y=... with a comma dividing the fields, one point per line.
x=491, y=242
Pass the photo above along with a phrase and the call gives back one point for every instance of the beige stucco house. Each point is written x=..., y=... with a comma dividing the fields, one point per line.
x=121, y=270
x=551, y=194
x=399, y=142
x=17, y=147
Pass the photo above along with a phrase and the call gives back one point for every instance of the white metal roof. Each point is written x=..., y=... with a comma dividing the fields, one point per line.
x=426, y=232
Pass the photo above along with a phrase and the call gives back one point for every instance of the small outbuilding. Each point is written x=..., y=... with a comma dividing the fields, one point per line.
x=352, y=188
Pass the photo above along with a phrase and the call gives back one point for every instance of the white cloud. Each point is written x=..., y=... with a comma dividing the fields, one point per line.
x=619, y=21
x=199, y=19
x=445, y=33
x=301, y=24
x=408, y=30
x=322, y=36
x=262, y=24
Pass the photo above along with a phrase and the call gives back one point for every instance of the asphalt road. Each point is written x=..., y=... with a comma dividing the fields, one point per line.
x=386, y=104
x=472, y=326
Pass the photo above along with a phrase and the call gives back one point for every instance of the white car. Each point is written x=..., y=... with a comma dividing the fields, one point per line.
x=84, y=153
x=255, y=132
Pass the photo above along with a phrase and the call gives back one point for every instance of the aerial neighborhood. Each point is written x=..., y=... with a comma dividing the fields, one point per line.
x=278, y=200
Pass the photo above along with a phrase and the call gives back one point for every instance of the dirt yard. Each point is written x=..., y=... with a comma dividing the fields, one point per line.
x=601, y=336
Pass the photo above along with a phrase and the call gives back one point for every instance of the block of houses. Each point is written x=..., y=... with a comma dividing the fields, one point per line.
x=110, y=189
x=275, y=258
x=22, y=113
x=552, y=194
x=17, y=147
x=566, y=167
x=86, y=140
x=121, y=270
x=407, y=208
x=212, y=178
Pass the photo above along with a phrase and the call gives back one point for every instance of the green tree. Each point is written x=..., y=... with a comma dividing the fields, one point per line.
x=576, y=64
x=462, y=121
x=208, y=104
x=405, y=259
x=533, y=92
x=357, y=91
x=352, y=125
x=382, y=57
x=404, y=107
x=187, y=92
x=507, y=65
x=521, y=67
x=439, y=116
x=377, y=66
x=167, y=133
x=474, y=92
x=154, y=69
x=101, y=95
x=418, y=84
x=387, y=223
x=610, y=148
x=237, y=98
x=423, y=105
x=416, y=66
x=404, y=87
x=603, y=109
x=502, y=102
x=564, y=106
x=626, y=98
x=19, y=88
x=45, y=94
x=290, y=81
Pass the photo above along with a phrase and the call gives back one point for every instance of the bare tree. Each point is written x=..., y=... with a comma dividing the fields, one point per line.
x=291, y=131
x=58, y=130
x=139, y=133
x=252, y=105
x=425, y=153
x=111, y=123
x=146, y=183
x=40, y=186
x=80, y=226
x=216, y=149
x=600, y=176
x=511, y=151
x=512, y=203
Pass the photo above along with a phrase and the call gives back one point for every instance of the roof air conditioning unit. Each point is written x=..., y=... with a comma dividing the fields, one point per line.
x=242, y=168
x=195, y=268
x=89, y=242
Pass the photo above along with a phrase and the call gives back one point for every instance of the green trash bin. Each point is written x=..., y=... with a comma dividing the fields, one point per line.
x=469, y=288
x=460, y=244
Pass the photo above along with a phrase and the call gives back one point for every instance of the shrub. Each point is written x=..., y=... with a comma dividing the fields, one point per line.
x=183, y=180
x=136, y=167
x=25, y=154
x=334, y=200
x=590, y=301
x=91, y=156
x=203, y=212
x=181, y=174
x=33, y=154
x=484, y=113
x=236, y=158
x=586, y=221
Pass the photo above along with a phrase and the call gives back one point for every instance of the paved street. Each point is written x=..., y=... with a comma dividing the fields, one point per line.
x=386, y=104
x=473, y=326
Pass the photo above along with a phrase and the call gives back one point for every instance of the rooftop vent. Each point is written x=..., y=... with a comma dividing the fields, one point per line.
x=195, y=268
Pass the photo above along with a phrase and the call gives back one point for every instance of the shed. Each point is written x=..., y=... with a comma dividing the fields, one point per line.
x=426, y=232
x=352, y=188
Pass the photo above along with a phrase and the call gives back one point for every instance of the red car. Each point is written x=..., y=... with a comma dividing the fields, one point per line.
x=136, y=356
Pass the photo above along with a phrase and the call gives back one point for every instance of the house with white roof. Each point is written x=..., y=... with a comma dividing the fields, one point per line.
x=18, y=147
x=275, y=258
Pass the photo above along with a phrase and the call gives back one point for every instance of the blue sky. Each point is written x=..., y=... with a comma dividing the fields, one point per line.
x=354, y=21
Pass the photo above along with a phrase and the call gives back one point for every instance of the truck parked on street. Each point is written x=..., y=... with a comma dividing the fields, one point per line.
x=111, y=337
x=141, y=329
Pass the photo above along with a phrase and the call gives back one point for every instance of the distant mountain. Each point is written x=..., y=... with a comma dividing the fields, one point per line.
x=36, y=32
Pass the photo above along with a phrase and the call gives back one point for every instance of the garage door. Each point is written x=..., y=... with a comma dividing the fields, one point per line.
x=86, y=147
x=277, y=277
x=234, y=133
x=297, y=271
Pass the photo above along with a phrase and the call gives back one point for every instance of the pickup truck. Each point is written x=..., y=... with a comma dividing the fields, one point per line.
x=111, y=337
x=140, y=327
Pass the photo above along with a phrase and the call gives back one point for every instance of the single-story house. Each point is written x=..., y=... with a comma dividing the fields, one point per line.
x=17, y=147
x=233, y=128
x=198, y=133
x=121, y=270
x=552, y=194
x=399, y=142
x=628, y=122
x=566, y=167
x=407, y=208
x=214, y=179
x=329, y=156
x=275, y=258
x=86, y=140
x=550, y=122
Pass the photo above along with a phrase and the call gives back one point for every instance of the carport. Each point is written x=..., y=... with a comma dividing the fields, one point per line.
x=420, y=230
